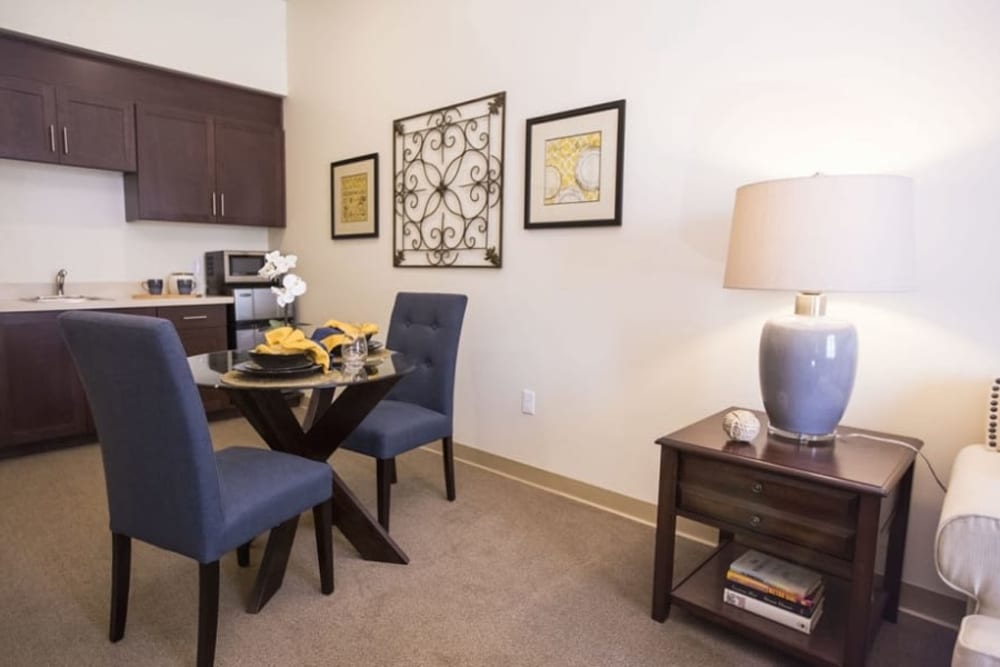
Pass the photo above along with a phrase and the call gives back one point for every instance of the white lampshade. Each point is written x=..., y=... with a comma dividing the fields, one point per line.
x=823, y=234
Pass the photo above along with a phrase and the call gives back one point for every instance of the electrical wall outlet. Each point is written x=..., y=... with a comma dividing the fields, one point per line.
x=527, y=401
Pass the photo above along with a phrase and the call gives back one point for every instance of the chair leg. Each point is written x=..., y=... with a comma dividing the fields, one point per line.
x=449, y=466
x=384, y=489
x=121, y=568
x=392, y=470
x=208, y=612
x=243, y=554
x=323, y=518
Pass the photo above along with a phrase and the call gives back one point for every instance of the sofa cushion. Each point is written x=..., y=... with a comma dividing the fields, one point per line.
x=978, y=642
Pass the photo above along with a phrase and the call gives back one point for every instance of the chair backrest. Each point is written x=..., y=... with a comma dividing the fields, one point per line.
x=159, y=467
x=426, y=328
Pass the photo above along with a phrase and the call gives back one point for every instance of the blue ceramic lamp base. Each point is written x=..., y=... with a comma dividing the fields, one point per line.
x=807, y=367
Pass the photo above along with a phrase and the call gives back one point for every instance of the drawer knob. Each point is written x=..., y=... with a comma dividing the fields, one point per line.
x=757, y=487
x=754, y=521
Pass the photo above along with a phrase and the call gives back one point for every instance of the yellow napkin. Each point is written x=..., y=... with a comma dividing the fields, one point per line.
x=351, y=331
x=286, y=340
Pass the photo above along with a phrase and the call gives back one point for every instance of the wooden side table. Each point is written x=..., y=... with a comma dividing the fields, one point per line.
x=830, y=508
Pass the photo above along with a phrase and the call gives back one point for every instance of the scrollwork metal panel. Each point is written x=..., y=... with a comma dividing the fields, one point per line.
x=448, y=186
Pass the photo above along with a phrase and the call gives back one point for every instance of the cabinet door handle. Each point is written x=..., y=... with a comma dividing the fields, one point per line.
x=222, y=203
x=52, y=138
x=754, y=521
x=757, y=487
x=65, y=140
x=213, y=203
x=195, y=317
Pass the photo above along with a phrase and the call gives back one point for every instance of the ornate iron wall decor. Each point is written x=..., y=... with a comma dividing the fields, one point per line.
x=448, y=185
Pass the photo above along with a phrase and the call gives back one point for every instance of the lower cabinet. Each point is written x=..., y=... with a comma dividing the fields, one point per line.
x=202, y=329
x=41, y=397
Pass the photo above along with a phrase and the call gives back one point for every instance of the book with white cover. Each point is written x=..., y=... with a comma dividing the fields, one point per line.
x=772, y=613
x=777, y=573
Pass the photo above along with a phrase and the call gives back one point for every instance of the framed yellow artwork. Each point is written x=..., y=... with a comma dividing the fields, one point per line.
x=573, y=167
x=354, y=197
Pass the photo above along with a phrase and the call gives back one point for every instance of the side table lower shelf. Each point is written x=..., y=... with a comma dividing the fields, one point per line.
x=701, y=594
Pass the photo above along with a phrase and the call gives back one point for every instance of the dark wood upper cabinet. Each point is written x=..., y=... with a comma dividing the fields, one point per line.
x=176, y=175
x=43, y=123
x=96, y=131
x=192, y=150
x=249, y=173
x=198, y=168
x=27, y=120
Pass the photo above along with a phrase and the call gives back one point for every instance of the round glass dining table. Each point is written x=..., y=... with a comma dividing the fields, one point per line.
x=261, y=397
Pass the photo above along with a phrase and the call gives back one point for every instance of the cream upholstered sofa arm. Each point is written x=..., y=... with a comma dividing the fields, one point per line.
x=967, y=551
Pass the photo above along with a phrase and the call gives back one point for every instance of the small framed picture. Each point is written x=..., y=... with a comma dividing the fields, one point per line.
x=354, y=197
x=573, y=167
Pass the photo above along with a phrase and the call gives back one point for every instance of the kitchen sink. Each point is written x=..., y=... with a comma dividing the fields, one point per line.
x=64, y=298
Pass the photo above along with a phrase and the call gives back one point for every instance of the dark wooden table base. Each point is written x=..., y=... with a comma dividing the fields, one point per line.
x=327, y=424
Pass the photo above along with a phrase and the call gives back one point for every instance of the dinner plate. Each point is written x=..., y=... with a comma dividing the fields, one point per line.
x=252, y=368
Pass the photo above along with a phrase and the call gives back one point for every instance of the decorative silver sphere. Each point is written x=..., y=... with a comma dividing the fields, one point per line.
x=741, y=425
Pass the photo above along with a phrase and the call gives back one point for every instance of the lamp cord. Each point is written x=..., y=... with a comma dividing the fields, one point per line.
x=904, y=444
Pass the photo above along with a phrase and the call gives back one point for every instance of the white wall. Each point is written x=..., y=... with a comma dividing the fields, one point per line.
x=626, y=333
x=54, y=217
x=238, y=41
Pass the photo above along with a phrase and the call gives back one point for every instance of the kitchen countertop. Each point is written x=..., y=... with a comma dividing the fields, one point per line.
x=21, y=306
x=105, y=295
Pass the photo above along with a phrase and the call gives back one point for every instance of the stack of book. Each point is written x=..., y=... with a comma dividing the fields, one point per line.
x=775, y=589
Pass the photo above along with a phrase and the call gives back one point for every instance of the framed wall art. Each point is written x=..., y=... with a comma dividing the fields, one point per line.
x=573, y=167
x=448, y=186
x=354, y=197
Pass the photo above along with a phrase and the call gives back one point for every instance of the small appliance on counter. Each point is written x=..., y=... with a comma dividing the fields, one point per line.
x=181, y=283
x=224, y=268
x=234, y=273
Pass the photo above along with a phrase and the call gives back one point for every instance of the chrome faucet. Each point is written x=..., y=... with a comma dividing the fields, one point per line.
x=60, y=282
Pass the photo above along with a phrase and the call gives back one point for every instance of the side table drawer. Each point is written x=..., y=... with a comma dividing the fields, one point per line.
x=806, y=514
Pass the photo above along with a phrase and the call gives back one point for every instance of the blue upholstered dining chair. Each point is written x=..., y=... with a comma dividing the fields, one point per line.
x=418, y=410
x=165, y=484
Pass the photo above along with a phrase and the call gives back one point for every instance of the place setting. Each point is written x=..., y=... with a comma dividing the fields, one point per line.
x=336, y=348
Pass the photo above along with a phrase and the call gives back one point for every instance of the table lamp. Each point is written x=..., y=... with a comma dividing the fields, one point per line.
x=814, y=235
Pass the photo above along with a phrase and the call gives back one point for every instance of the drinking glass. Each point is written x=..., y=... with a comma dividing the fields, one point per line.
x=355, y=351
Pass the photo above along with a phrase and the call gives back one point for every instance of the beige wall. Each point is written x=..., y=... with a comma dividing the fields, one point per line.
x=239, y=41
x=54, y=217
x=626, y=334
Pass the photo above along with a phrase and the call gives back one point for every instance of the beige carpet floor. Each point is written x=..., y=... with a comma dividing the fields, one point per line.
x=506, y=575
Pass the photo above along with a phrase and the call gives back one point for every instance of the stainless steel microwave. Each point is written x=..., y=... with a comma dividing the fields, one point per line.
x=232, y=267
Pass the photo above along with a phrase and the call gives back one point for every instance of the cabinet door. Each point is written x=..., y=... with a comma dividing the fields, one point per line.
x=249, y=163
x=201, y=329
x=41, y=396
x=27, y=120
x=176, y=166
x=95, y=131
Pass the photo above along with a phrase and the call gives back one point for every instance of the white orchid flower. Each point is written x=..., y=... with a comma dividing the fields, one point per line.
x=291, y=287
x=295, y=285
x=276, y=265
